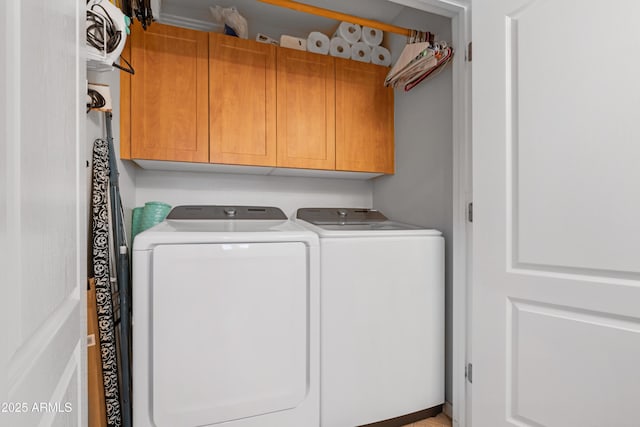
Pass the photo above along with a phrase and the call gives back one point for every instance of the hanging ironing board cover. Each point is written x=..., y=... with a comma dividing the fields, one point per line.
x=101, y=271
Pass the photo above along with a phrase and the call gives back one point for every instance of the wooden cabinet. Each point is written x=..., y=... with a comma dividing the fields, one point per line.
x=242, y=101
x=364, y=118
x=169, y=103
x=306, y=110
x=210, y=98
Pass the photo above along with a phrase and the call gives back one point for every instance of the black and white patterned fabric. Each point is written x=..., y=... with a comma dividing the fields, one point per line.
x=102, y=275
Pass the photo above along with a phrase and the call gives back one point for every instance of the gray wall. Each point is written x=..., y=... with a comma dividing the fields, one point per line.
x=421, y=191
x=287, y=193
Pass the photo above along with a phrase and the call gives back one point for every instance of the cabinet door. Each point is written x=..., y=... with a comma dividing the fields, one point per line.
x=306, y=110
x=242, y=101
x=364, y=118
x=169, y=105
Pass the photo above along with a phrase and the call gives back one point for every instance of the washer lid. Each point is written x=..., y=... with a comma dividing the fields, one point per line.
x=349, y=221
x=218, y=224
x=211, y=212
x=341, y=216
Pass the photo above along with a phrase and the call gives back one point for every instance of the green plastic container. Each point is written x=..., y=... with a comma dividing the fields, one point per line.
x=153, y=213
x=136, y=221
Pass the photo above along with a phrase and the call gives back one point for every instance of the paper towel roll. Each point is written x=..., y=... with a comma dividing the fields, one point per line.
x=340, y=48
x=348, y=31
x=293, y=42
x=371, y=36
x=361, y=52
x=318, y=43
x=380, y=56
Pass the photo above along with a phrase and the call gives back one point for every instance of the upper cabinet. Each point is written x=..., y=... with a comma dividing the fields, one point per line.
x=364, y=118
x=211, y=98
x=306, y=110
x=169, y=100
x=242, y=82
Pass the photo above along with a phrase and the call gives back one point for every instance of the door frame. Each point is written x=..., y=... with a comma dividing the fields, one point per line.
x=459, y=11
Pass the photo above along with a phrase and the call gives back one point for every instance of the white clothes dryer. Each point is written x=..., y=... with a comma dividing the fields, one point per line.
x=226, y=320
x=382, y=316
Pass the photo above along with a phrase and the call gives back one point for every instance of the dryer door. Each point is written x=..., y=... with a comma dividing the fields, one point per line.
x=229, y=331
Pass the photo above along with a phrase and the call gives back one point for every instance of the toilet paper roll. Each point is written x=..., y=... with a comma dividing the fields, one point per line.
x=293, y=42
x=371, y=36
x=348, y=31
x=340, y=48
x=380, y=56
x=318, y=43
x=361, y=52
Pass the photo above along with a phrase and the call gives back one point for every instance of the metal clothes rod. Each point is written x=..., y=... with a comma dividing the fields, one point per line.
x=319, y=11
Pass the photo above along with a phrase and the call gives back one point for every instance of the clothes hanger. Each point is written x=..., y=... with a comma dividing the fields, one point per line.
x=416, y=58
x=420, y=59
x=445, y=58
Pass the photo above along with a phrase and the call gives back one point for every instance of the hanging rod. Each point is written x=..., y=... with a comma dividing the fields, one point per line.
x=319, y=11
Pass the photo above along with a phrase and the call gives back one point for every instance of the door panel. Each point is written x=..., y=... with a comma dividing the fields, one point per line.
x=169, y=102
x=43, y=215
x=372, y=309
x=583, y=366
x=243, y=101
x=364, y=118
x=239, y=335
x=306, y=110
x=556, y=273
x=573, y=137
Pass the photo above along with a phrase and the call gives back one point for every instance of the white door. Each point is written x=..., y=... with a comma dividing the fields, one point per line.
x=556, y=298
x=42, y=214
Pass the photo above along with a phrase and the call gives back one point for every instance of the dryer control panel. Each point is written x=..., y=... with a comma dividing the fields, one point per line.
x=212, y=212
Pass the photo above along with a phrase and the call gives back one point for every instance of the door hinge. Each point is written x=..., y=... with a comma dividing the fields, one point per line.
x=470, y=212
x=468, y=372
x=469, y=52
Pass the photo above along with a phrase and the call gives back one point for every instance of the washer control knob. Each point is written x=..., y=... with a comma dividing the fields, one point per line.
x=342, y=213
x=230, y=212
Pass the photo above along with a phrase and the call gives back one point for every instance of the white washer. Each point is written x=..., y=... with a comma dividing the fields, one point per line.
x=226, y=320
x=382, y=316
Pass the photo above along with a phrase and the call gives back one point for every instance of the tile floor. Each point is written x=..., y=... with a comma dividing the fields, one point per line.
x=439, y=421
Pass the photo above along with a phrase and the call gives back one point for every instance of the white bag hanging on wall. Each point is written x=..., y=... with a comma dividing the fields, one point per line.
x=104, y=16
x=231, y=18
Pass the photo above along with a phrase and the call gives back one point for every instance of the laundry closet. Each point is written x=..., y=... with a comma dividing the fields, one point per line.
x=414, y=185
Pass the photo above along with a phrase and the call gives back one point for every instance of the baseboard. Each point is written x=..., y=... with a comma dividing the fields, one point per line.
x=448, y=409
x=407, y=419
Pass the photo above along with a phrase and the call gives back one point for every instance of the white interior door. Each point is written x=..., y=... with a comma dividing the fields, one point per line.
x=556, y=299
x=42, y=214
